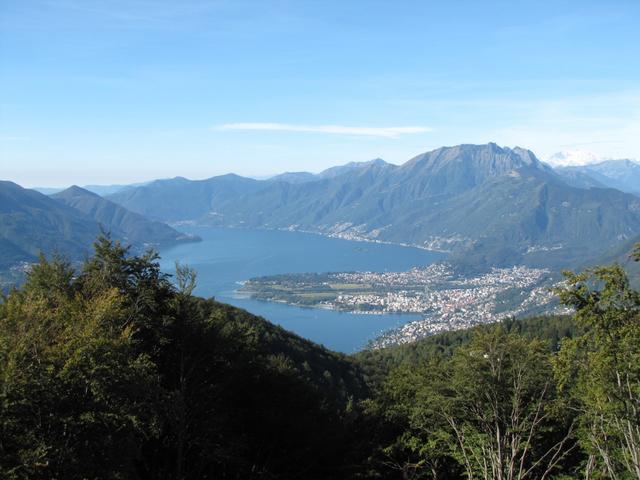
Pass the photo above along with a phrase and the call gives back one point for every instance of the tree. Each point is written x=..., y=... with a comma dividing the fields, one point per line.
x=146, y=292
x=76, y=397
x=486, y=409
x=185, y=279
x=500, y=411
x=600, y=371
x=412, y=405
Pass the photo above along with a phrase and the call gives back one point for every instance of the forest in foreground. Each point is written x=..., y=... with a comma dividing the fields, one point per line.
x=117, y=371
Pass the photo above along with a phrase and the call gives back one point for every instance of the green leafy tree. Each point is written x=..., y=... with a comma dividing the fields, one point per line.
x=488, y=411
x=76, y=397
x=501, y=408
x=112, y=372
x=600, y=370
x=412, y=406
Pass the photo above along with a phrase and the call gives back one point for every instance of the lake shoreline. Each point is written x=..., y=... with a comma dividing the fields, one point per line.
x=227, y=256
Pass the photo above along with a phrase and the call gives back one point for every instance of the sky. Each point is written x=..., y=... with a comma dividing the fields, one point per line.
x=120, y=91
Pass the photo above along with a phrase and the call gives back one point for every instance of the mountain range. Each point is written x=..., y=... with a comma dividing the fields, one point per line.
x=304, y=177
x=131, y=227
x=31, y=222
x=101, y=190
x=68, y=223
x=623, y=175
x=485, y=204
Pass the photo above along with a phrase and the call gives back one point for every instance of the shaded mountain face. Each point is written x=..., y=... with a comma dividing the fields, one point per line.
x=31, y=222
x=131, y=227
x=623, y=175
x=577, y=177
x=179, y=199
x=68, y=223
x=306, y=177
x=486, y=204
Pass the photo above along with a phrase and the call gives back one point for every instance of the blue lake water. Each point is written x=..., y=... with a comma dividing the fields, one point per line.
x=226, y=257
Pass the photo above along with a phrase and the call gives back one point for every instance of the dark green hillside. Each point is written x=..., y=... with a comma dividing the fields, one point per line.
x=131, y=227
x=455, y=405
x=377, y=364
x=31, y=222
x=142, y=380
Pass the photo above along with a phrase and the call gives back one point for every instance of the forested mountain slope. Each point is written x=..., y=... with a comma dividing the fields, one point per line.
x=179, y=199
x=67, y=224
x=490, y=206
x=31, y=222
x=133, y=228
x=141, y=380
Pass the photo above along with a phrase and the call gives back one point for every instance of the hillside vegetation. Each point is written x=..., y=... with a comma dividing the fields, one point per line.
x=116, y=371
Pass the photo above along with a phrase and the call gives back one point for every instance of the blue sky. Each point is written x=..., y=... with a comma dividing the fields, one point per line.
x=127, y=90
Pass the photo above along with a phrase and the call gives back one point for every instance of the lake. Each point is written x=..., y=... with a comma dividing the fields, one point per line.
x=226, y=257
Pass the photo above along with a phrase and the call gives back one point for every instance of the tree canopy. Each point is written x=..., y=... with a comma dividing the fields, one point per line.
x=115, y=370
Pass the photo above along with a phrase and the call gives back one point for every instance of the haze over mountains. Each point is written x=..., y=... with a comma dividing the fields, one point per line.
x=68, y=223
x=31, y=222
x=97, y=189
x=623, y=175
x=130, y=227
x=486, y=204
x=304, y=177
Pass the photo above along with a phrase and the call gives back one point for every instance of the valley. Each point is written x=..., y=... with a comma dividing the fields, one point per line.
x=228, y=256
x=444, y=300
x=319, y=240
x=505, y=223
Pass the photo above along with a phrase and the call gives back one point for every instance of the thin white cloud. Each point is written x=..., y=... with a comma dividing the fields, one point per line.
x=387, y=132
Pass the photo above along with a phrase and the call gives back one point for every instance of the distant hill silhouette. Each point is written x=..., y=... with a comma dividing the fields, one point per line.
x=67, y=223
x=133, y=228
x=31, y=222
x=623, y=175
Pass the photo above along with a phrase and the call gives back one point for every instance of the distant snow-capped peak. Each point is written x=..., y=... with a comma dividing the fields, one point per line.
x=573, y=158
